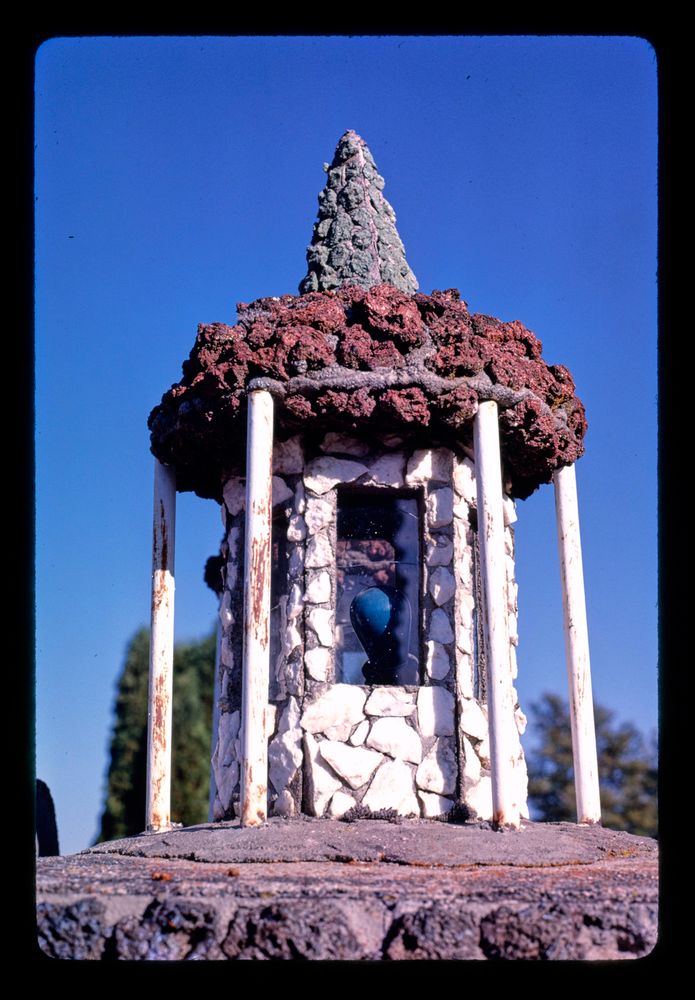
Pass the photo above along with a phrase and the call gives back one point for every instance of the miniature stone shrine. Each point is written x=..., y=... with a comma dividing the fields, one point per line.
x=367, y=443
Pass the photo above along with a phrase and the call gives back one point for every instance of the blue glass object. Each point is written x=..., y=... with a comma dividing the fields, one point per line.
x=381, y=618
x=378, y=587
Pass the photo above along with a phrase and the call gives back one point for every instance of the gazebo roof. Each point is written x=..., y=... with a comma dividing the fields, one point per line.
x=360, y=350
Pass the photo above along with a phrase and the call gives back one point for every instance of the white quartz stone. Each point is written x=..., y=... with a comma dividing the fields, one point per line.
x=299, y=504
x=355, y=765
x=434, y=805
x=360, y=734
x=295, y=601
x=234, y=545
x=512, y=629
x=284, y=804
x=226, y=616
x=234, y=493
x=322, y=782
x=340, y=804
x=226, y=654
x=392, y=788
x=466, y=603
x=508, y=510
x=464, y=639
x=427, y=464
x=322, y=474
x=484, y=751
x=435, y=711
x=223, y=514
x=514, y=668
x=321, y=621
x=318, y=662
x=271, y=713
x=387, y=470
x=396, y=738
x=440, y=551
x=464, y=480
x=318, y=551
x=228, y=730
x=281, y=491
x=521, y=775
x=437, y=773
x=336, y=712
x=471, y=719
x=471, y=762
x=464, y=674
x=319, y=514
x=343, y=444
x=521, y=721
x=292, y=637
x=441, y=585
x=318, y=590
x=461, y=511
x=285, y=751
x=437, y=662
x=390, y=701
x=226, y=780
x=478, y=798
x=440, y=508
x=296, y=529
x=288, y=456
x=440, y=628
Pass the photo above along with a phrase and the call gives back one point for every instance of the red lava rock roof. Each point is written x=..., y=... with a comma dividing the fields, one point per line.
x=361, y=360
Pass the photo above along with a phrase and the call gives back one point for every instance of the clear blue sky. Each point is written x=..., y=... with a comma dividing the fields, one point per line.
x=178, y=176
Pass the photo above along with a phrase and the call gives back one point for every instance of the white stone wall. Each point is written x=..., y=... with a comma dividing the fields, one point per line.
x=333, y=746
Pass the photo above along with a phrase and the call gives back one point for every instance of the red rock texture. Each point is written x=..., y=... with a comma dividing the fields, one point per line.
x=364, y=359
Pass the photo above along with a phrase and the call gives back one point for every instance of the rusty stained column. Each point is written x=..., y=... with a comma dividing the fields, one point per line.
x=256, y=655
x=501, y=722
x=584, y=755
x=158, y=806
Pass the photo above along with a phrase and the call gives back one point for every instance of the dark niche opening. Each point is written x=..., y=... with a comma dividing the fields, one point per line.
x=378, y=568
x=279, y=566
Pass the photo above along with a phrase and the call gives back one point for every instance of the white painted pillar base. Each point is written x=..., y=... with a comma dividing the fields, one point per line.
x=256, y=655
x=500, y=702
x=158, y=806
x=586, y=782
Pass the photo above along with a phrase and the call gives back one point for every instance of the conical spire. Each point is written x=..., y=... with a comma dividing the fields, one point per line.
x=355, y=238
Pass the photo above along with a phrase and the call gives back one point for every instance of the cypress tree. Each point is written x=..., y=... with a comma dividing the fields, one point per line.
x=627, y=768
x=194, y=667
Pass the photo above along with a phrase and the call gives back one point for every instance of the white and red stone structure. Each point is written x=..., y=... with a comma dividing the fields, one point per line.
x=365, y=438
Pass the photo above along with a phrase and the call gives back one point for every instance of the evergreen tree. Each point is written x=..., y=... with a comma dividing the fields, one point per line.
x=626, y=763
x=194, y=667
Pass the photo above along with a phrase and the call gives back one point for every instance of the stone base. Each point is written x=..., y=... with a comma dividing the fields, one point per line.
x=368, y=890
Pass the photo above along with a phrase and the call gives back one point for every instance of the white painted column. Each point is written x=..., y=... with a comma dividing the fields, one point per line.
x=500, y=703
x=577, y=647
x=158, y=807
x=217, y=691
x=256, y=655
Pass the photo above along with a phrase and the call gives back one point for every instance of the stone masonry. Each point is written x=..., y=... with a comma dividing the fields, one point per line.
x=332, y=746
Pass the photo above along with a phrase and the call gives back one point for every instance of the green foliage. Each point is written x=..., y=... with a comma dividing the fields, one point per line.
x=627, y=769
x=194, y=668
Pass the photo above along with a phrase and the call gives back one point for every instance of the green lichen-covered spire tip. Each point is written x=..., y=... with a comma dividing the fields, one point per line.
x=355, y=239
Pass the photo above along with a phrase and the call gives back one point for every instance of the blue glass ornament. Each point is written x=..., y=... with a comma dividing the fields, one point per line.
x=381, y=618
